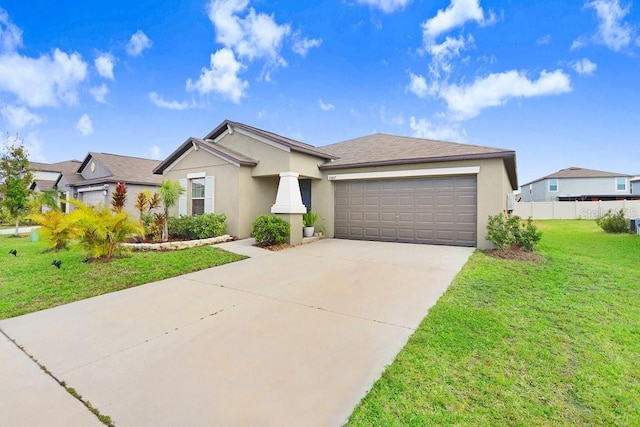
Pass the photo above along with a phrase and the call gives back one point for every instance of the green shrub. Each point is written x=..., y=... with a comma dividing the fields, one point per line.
x=504, y=231
x=613, y=222
x=270, y=230
x=198, y=226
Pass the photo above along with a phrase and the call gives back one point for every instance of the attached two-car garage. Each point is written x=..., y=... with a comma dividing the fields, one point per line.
x=432, y=210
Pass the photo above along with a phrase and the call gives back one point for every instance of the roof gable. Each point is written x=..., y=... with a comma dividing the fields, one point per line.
x=228, y=127
x=119, y=168
x=209, y=146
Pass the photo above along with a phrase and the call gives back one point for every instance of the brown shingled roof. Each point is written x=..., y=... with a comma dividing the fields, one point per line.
x=391, y=149
x=132, y=170
x=575, y=172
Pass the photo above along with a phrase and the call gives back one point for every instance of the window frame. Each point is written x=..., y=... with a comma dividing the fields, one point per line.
x=557, y=185
x=201, y=182
x=624, y=180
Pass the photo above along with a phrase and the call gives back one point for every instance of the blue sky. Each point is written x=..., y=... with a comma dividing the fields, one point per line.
x=556, y=81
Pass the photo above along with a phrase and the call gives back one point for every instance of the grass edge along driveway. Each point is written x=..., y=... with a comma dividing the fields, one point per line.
x=29, y=282
x=520, y=343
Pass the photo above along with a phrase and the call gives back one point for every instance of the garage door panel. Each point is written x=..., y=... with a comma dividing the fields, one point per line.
x=437, y=210
x=389, y=233
x=372, y=217
x=407, y=217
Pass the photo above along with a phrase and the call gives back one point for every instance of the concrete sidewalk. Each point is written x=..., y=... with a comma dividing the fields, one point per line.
x=294, y=338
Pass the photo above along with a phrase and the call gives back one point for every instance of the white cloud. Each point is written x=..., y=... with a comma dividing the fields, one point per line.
x=546, y=39
x=326, y=107
x=154, y=152
x=138, y=43
x=422, y=128
x=10, y=34
x=613, y=32
x=467, y=101
x=578, y=43
x=418, y=85
x=104, y=63
x=442, y=54
x=222, y=78
x=255, y=35
x=455, y=15
x=84, y=126
x=387, y=6
x=100, y=93
x=19, y=117
x=43, y=81
x=159, y=101
x=302, y=45
x=584, y=67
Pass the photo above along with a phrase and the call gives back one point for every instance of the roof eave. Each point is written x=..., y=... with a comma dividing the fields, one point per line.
x=509, y=158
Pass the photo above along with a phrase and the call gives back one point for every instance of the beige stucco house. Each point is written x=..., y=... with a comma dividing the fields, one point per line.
x=377, y=187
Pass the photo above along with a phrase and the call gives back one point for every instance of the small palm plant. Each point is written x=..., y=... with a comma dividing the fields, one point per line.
x=170, y=192
x=102, y=231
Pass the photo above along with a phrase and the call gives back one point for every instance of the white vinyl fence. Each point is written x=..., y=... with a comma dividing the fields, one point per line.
x=575, y=210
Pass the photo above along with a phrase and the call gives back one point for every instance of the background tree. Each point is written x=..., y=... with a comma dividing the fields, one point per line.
x=169, y=192
x=15, y=179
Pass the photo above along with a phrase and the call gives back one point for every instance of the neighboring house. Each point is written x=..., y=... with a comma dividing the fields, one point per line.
x=45, y=175
x=93, y=180
x=580, y=184
x=378, y=187
x=635, y=185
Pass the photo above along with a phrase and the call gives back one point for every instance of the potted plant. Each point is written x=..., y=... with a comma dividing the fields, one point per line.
x=309, y=220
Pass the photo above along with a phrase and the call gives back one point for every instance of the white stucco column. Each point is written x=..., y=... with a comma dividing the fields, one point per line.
x=289, y=205
x=288, y=198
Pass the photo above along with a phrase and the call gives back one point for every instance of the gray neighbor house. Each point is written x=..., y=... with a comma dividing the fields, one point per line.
x=579, y=184
x=93, y=180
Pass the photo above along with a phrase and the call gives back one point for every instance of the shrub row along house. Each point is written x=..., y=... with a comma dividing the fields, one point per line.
x=377, y=187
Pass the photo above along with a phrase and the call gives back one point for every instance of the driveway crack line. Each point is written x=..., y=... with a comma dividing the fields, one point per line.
x=353, y=316
x=104, y=419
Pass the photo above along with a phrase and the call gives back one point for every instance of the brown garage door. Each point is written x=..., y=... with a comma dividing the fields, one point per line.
x=423, y=210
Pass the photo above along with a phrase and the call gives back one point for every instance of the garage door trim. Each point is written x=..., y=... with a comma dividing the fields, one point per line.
x=412, y=173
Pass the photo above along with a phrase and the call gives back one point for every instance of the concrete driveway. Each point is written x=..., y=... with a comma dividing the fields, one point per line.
x=295, y=337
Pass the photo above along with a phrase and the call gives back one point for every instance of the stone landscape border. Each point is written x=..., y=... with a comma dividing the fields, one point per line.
x=169, y=246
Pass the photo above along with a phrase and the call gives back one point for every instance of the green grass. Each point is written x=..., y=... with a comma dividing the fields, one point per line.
x=525, y=344
x=29, y=282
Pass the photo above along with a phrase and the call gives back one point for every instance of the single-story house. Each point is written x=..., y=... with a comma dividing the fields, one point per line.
x=93, y=180
x=579, y=184
x=377, y=187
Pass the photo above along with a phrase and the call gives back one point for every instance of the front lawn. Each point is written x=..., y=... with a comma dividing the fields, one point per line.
x=28, y=282
x=520, y=343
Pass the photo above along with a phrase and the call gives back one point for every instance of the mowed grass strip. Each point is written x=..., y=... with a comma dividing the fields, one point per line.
x=28, y=282
x=520, y=343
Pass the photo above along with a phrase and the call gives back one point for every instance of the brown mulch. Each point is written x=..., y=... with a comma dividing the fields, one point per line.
x=515, y=254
